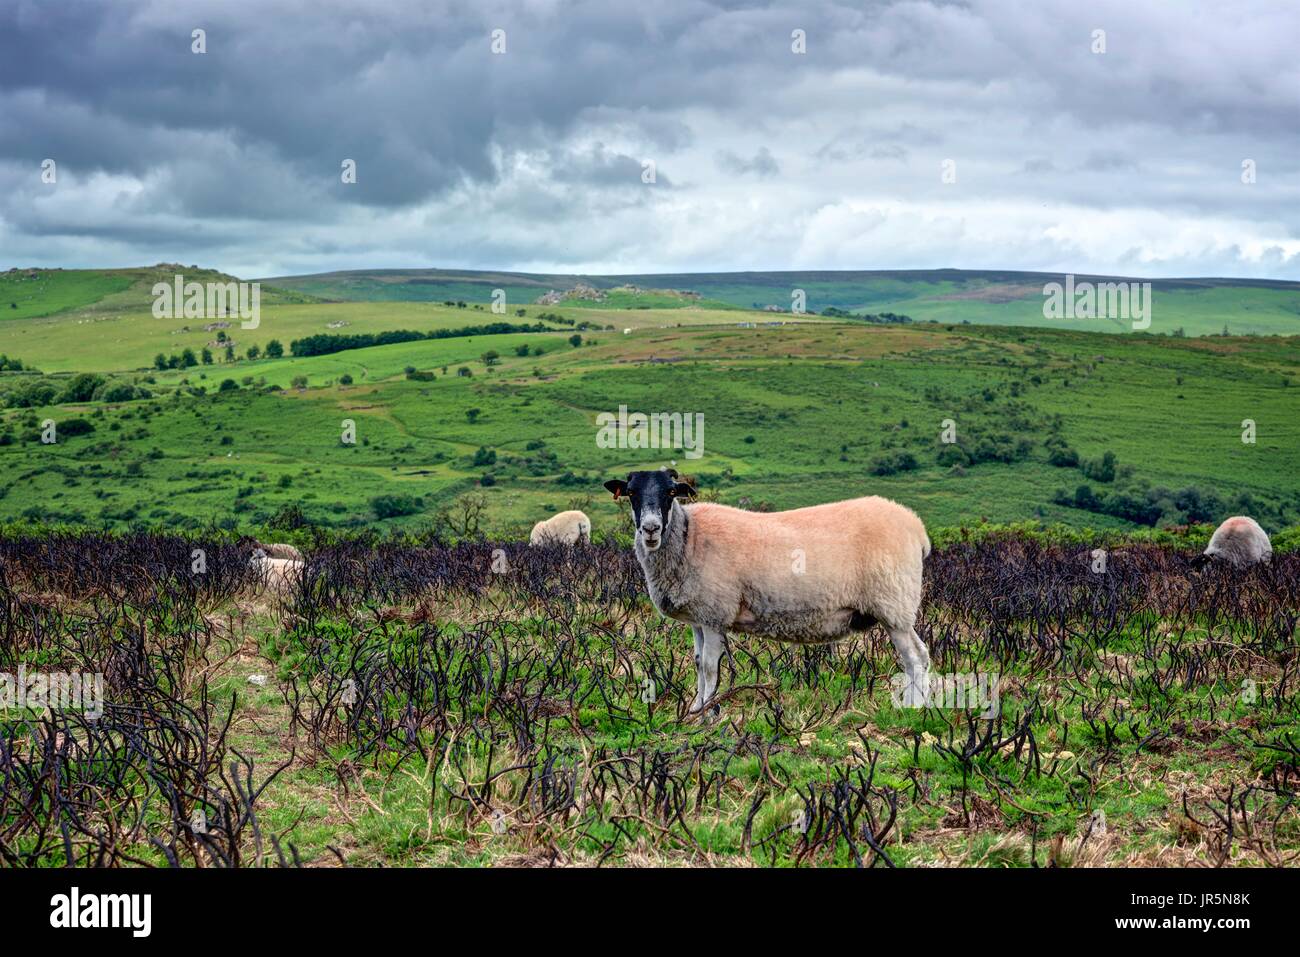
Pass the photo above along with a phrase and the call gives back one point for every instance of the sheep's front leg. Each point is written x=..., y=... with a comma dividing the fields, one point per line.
x=915, y=659
x=709, y=644
x=698, y=632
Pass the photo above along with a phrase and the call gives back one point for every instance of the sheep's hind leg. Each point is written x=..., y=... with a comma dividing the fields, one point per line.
x=915, y=659
x=709, y=644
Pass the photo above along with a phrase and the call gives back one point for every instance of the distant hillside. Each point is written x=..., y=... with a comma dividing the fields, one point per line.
x=29, y=292
x=1196, y=306
x=1193, y=307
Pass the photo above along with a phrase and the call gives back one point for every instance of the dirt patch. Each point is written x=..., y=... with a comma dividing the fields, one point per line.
x=995, y=293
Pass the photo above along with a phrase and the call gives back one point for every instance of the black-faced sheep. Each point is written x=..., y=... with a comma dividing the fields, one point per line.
x=808, y=575
x=566, y=528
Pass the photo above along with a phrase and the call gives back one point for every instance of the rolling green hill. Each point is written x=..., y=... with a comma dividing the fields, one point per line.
x=1048, y=424
x=1194, y=306
x=26, y=293
x=792, y=416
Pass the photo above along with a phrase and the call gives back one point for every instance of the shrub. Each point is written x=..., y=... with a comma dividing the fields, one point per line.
x=1101, y=470
x=394, y=506
x=75, y=427
x=81, y=388
x=116, y=392
x=894, y=463
x=1062, y=456
x=952, y=454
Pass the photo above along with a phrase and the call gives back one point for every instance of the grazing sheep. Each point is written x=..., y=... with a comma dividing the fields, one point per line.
x=1240, y=542
x=808, y=575
x=278, y=574
x=281, y=551
x=566, y=528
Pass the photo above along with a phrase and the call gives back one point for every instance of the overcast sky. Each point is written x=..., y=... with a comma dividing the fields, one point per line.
x=1065, y=159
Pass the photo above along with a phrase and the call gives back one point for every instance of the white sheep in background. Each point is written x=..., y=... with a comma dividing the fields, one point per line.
x=566, y=528
x=281, y=551
x=1240, y=542
x=809, y=575
x=278, y=574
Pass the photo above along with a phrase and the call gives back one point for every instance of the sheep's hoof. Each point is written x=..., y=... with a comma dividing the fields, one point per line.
x=703, y=715
x=914, y=696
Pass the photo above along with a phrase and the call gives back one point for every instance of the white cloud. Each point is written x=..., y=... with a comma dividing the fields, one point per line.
x=1066, y=160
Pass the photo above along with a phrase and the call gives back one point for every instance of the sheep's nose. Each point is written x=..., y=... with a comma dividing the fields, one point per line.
x=651, y=527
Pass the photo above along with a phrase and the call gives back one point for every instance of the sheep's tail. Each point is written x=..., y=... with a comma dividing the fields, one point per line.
x=925, y=545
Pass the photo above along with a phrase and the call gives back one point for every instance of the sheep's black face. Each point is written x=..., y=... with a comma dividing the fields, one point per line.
x=651, y=494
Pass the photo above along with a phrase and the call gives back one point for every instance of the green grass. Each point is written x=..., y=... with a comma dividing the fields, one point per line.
x=793, y=416
x=25, y=293
x=1197, y=307
x=130, y=340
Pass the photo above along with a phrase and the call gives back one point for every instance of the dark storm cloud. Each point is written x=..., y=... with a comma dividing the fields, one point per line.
x=236, y=153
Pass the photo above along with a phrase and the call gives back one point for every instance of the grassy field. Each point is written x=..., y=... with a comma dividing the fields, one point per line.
x=128, y=336
x=792, y=413
x=792, y=416
x=1196, y=307
x=25, y=293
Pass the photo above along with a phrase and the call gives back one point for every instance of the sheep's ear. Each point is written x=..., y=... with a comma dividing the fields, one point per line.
x=617, y=486
x=681, y=488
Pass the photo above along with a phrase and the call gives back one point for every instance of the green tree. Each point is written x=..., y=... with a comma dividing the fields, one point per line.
x=274, y=350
